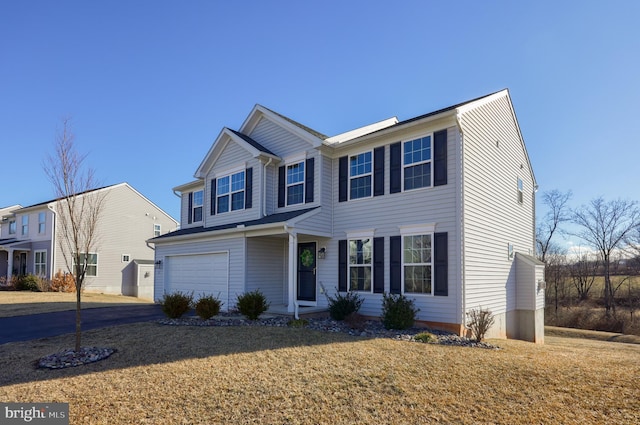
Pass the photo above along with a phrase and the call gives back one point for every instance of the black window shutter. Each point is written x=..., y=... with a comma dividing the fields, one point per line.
x=190, y=208
x=440, y=157
x=342, y=265
x=282, y=186
x=440, y=262
x=309, y=180
x=378, y=171
x=378, y=265
x=213, y=197
x=343, y=178
x=395, y=169
x=248, y=188
x=395, y=266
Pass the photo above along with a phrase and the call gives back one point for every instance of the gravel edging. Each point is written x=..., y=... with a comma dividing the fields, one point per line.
x=72, y=358
x=369, y=328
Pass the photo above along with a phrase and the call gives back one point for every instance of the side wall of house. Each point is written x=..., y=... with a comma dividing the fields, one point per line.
x=126, y=222
x=266, y=268
x=496, y=224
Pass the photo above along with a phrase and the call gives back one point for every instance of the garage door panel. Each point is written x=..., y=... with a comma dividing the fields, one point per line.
x=201, y=274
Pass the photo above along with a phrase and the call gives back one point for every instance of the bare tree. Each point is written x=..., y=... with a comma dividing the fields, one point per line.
x=606, y=226
x=555, y=275
x=550, y=223
x=78, y=210
x=583, y=274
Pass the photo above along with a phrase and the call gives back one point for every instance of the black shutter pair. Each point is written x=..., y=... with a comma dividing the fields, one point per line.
x=248, y=191
x=439, y=162
x=378, y=174
x=440, y=263
x=190, y=208
x=378, y=265
x=309, y=181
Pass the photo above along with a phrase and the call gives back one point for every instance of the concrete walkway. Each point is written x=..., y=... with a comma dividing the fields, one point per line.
x=43, y=325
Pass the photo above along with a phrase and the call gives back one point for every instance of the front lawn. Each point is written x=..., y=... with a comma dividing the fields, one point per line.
x=237, y=375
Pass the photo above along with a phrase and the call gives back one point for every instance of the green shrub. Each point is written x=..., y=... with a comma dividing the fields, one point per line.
x=28, y=282
x=298, y=323
x=252, y=304
x=176, y=304
x=398, y=311
x=341, y=306
x=208, y=306
x=425, y=337
x=480, y=320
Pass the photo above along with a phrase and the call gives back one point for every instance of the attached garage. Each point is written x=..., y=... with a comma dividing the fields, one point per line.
x=206, y=274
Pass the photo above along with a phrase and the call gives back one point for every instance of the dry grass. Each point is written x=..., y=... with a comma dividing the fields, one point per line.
x=20, y=303
x=241, y=375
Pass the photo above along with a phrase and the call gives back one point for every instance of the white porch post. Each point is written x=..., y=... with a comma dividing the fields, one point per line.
x=10, y=265
x=293, y=270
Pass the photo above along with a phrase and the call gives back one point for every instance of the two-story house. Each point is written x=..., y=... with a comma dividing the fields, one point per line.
x=122, y=262
x=439, y=207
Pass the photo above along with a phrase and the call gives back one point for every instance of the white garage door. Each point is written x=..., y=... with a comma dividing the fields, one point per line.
x=201, y=274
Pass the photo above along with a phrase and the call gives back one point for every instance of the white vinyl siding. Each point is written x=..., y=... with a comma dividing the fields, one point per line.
x=266, y=268
x=494, y=158
x=277, y=139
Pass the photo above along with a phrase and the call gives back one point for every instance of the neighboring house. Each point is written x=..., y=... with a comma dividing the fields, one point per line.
x=439, y=207
x=122, y=259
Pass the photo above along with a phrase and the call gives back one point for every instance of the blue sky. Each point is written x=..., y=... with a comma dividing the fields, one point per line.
x=150, y=84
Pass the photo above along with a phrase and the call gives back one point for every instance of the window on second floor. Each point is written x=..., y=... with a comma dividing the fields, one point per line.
x=42, y=222
x=295, y=183
x=25, y=224
x=12, y=227
x=157, y=228
x=520, y=191
x=230, y=194
x=196, y=207
x=417, y=163
x=360, y=174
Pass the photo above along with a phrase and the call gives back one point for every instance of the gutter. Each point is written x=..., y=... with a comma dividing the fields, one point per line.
x=461, y=209
x=53, y=241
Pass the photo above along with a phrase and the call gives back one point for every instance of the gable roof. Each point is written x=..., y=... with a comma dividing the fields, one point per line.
x=40, y=204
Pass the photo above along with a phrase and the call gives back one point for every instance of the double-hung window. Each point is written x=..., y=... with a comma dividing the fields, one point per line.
x=295, y=183
x=360, y=167
x=417, y=163
x=41, y=222
x=12, y=227
x=40, y=266
x=230, y=192
x=25, y=224
x=360, y=263
x=520, y=191
x=417, y=264
x=91, y=261
x=197, y=205
x=157, y=228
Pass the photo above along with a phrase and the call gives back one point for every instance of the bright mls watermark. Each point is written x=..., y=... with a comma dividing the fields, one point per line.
x=34, y=413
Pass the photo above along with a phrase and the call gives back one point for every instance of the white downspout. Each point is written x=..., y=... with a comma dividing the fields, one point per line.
x=293, y=242
x=462, y=243
x=53, y=241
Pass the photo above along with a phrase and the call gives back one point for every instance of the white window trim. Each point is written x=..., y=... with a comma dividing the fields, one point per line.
x=24, y=228
x=42, y=224
x=122, y=258
x=15, y=227
x=520, y=185
x=417, y=229
x=159, y=227
x=35, y=263
x=230, y=193
x=430, y=161
x=370, y=174
x=73, y=263
x=303, y=182
x=194, y=206
x=403, y=264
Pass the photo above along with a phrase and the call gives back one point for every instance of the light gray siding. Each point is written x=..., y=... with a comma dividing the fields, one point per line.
x=126, y=222
x=385, y=214
x=493, y=160
x=266, y=268
x=277, y=139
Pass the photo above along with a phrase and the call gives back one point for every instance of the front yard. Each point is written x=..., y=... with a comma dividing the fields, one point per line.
x=235, y=375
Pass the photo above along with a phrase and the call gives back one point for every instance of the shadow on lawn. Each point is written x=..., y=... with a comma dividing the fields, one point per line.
x=147, y=344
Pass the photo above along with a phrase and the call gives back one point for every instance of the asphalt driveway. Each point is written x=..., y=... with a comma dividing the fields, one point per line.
x=43, y=325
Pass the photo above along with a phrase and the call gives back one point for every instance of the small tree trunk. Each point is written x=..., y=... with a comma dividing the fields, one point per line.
x=78, y=319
